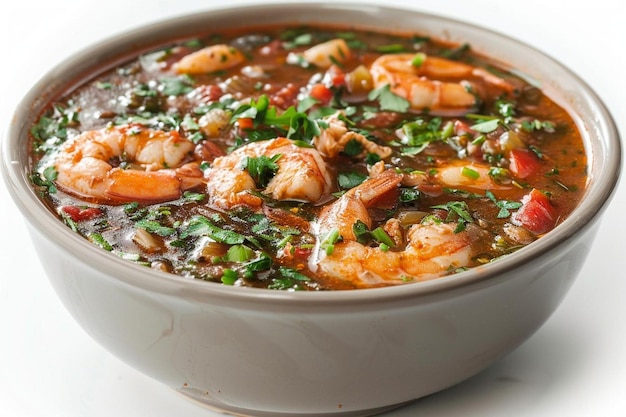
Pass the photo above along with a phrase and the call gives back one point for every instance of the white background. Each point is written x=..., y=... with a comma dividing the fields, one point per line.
x=574, y=366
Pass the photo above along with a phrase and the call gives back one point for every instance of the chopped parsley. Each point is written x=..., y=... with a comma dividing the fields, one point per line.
x=504, y=205
x=389, y=101
x=261, y=168
x=459, y=211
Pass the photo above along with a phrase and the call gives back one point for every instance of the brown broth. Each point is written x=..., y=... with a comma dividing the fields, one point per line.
x=270, y=241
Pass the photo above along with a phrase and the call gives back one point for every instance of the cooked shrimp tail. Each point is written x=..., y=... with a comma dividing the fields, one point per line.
x=429, y=249
x=436, y=85
x=154, y=158
x=353, y=205
x=433, y=249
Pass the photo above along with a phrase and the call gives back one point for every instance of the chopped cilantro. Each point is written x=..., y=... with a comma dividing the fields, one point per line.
x=262, y=263
x=408, y=195
x=201, y=226
x=486, y=126
x=229, y=276
x=349, y=180
x=46, y=179
x=458, y=209
x=419, y=133
x=372, y=158
x=287, y=279
x=261, y=168
x=176, y=86
x=388, y=100
x=291, y=123
x=304, y=39
x=360, y=231
x=503, y=205
x=99, y=240
x=238, y=253
x=533, y=125
x=153, y=226
x=353, y=148
x=195, y=197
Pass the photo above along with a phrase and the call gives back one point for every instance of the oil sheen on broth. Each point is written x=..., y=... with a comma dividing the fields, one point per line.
x=308, y=158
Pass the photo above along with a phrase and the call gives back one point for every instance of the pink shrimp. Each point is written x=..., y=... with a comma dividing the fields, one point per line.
x=433, y=248
x=157, y=171
x=335, y=137
x=430, y=83
x=302, y=174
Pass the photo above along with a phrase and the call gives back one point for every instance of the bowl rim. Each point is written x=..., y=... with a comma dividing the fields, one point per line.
x=601, y=188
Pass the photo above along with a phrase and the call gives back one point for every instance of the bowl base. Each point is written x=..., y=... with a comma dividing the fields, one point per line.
x=205, y=401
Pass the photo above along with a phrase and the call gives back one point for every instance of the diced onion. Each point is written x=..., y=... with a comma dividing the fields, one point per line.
x=147, y=241
x=410, y=217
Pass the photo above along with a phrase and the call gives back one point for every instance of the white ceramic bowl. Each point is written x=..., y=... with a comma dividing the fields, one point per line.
x=264, y=352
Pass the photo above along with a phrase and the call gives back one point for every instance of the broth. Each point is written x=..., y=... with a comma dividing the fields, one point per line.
x=309, y=158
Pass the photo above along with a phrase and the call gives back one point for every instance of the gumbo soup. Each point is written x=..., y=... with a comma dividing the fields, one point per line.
x=309, y=158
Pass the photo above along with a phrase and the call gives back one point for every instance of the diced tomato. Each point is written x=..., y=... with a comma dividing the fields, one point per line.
x=321, y=93
x=523, y=163
x=302, y=252
x=209, y=93
x=245, y=123
x=335, y=76
x=537, y=213
x=285, y=97
x=79, y=214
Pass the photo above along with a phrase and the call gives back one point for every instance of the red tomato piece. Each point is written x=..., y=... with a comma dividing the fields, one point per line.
x=302, y=252
x=246, y=123
x=335, y=76
x=285, y=97
x=209, y=93
x=523, y=163
x=537, y=213
x=78, y=214
x=321, y=93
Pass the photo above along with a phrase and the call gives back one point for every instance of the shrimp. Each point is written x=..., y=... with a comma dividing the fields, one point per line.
x=325, y=54
x=334, y=138
x=413, y=76
x=209, y=59
x=84, y=165
x=352, y=206
x=433, y=248
x=302, y=175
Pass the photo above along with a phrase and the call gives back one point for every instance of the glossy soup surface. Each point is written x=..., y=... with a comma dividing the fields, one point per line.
x=308, y=158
